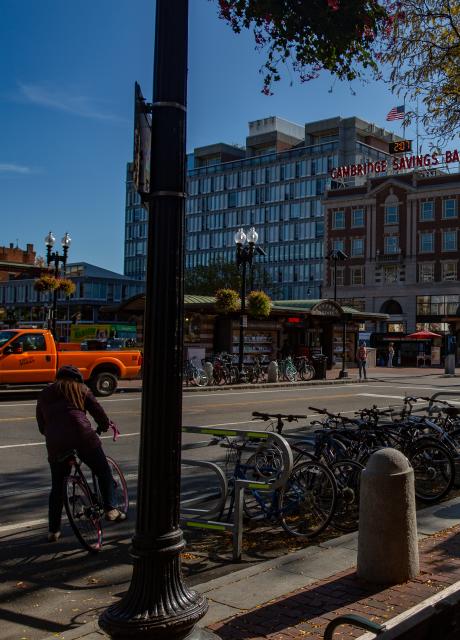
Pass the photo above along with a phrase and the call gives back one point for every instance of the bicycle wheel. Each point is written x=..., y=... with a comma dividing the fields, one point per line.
x=120, y=487
x=434, y=470
x=200, y=379
x=84, y=513
x=307, y=502
x=307, y=372
x=261, y=467
x=347, y=474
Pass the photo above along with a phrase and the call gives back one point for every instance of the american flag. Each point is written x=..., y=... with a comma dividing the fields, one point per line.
x=397, y=113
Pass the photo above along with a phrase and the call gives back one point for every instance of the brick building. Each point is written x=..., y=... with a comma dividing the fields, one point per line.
x=400, y=234
x=15, y=262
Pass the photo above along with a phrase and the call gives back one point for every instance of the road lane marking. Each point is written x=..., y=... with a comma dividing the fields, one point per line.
x=42, y=444
x=23, y=525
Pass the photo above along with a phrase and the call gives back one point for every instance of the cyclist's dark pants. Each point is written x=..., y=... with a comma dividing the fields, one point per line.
x=95, y=459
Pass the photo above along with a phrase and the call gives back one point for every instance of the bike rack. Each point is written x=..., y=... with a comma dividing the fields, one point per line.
x=202, y=519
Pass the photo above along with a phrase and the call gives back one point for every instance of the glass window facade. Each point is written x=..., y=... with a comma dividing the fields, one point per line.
x=449, y=208
x=277, y=192
x=426, y=242
x=427, y=211
x=391, y=214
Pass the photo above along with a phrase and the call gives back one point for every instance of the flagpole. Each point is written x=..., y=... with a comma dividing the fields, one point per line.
x=404, y=120
x=418, y=150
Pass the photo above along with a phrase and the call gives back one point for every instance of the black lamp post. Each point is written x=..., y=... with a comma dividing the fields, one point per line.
x=335, y=255
x=345, y=318
x=56, y=258
x=158, y=604
x=244, y=256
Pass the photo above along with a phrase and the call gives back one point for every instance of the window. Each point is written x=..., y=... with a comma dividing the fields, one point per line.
x=357, y=218
x=449, y=240
x=338, y=245
x=357, y=275
x=357, y=247
x=427, y=242
x=390, y=273
x=426, y=211
x=391, y=214
x=31, y=342
x=449, y=208
x=340, y=271
x=391, y=244
x=426, y=272
x=449, y=271
x=338, y=220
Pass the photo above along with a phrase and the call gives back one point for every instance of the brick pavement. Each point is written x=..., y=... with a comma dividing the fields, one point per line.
x=305, y=613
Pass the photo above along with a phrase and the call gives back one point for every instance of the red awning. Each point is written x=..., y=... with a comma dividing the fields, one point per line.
x=423, y=335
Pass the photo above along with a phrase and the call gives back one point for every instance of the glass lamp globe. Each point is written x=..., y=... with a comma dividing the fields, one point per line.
x=66, y=240
x=50, y=240
x=252, y=236
x=240, y=236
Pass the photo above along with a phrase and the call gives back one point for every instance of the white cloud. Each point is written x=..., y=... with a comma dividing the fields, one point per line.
x=8, y=167
x=78, y=105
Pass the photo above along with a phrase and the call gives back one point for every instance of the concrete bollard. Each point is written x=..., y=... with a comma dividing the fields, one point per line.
x=272, y=371
x=387, y=540
x=209, y=370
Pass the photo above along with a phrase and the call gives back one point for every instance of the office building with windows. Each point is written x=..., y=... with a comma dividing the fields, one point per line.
x=136, y=229
x=401, y=236
x=274, y=183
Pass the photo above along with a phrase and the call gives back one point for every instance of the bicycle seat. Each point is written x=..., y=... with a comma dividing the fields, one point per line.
x=68, y=455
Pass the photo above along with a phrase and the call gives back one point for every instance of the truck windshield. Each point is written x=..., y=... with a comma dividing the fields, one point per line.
x=5, y=336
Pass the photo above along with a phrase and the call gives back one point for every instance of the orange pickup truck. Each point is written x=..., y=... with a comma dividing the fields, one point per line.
x=29, y=357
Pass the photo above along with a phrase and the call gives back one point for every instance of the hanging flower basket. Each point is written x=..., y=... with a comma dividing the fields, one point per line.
x=227, y=301
x=259, y=304
x=46, y=283
x=66, y=286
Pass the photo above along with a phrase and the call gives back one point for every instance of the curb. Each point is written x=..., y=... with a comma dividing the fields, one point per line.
x=271, y=385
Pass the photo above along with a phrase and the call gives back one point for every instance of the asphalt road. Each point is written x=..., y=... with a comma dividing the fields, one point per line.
x=47, y=588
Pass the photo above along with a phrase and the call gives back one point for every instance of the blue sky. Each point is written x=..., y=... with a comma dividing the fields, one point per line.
x=66, y=100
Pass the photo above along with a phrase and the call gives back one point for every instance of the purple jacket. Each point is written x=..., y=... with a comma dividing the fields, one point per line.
x=65, y=427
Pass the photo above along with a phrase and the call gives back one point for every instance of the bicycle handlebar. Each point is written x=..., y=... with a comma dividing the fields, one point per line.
x=114, y=428
x=266, y=416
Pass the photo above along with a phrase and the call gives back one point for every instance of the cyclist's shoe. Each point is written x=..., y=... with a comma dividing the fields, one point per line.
x=54, y=536
x=115, y=515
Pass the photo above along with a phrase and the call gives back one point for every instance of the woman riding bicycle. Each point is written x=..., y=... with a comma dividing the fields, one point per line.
x=61, y=417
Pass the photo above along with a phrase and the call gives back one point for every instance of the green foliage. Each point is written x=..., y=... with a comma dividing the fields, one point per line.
x=422, y=47
x=259, y=304
x=66, y=286
x=312, y=35
x=206, y=280
x=227, y=301
x=46, y=283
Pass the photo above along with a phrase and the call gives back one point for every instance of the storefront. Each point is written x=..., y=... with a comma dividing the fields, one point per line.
x=294, y=327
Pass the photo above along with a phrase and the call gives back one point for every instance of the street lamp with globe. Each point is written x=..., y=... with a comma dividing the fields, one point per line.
x=245, y=249
x=56, y=258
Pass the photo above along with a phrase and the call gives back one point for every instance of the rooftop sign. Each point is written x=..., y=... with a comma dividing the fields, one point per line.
x=396, y=164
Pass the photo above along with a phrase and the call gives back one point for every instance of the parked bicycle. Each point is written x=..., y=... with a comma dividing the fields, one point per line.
x=194, y=374
x=83, y=500
x=287, y=370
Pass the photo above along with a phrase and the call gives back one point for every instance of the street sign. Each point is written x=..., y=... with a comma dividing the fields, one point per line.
x=142, y=144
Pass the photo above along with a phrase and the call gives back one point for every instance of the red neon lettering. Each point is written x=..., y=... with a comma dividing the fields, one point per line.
x=360, y=170
x=427, y=160
x=353, y=170
x=419, y=161
x=346, y=172
x=334, y=174
x=434, y=158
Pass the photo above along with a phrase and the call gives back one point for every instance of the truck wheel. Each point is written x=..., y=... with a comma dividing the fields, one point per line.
x=103, y=384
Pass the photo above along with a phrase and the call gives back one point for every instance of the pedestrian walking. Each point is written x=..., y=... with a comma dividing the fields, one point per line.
x=361, y=357
x=391, y=353
x=61, y=417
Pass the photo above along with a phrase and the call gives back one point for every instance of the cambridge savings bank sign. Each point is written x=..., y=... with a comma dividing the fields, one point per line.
x=396, y=164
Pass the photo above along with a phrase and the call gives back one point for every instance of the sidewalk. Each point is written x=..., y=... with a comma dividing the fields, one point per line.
x=294, y=597
x=381, y=374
